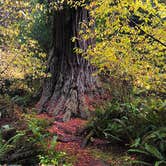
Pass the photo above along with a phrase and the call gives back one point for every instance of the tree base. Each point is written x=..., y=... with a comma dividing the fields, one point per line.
x=72, y=87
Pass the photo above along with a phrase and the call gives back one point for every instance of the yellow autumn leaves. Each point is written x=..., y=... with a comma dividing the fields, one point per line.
x=129, y=38
x=20, y=53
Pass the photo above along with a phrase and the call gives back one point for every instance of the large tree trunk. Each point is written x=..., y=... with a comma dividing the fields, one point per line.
x=71, y=83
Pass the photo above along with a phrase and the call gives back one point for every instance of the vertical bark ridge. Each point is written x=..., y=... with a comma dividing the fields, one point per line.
x=71, y=75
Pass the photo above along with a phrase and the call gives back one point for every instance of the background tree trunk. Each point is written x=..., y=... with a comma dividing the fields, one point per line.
x=71, y=83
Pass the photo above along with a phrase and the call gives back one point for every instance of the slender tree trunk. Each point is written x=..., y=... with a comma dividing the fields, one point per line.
x=71, y=83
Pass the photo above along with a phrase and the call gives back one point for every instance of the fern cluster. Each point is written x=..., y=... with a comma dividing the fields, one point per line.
x=142, y=130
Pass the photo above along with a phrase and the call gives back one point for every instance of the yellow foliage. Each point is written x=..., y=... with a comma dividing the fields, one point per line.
x=130, y=39
x=20, y=54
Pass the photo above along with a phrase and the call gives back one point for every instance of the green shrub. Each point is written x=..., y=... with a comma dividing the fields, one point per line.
x=32, y=145
x=152, y=145
x=45, y=141
x=140, y=125
x=117, y=121
x=6, y=146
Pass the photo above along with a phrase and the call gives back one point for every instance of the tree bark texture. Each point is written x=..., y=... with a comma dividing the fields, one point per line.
x=72, y=82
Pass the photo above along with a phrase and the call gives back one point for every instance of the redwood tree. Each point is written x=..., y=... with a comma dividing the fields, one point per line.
x=72, y=83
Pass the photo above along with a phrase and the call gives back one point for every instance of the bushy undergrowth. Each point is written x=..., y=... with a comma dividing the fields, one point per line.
x=140, y=125
x=28, y=141
x=6, y=146
x=45, y=141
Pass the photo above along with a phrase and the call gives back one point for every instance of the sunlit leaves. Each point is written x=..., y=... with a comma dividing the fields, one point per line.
x=21, y=53
x=130, y=40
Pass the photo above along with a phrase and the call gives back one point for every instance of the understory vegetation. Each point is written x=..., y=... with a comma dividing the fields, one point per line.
x=129, y=57
x=129, y=51
x=25, y=140
x=139, y=126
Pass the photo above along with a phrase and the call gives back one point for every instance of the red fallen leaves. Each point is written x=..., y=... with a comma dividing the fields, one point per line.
x=71, y=126
x=44, y=116
x=71, y=143
x=89, y=102
x=83, y=156
x=66, y=131
x=55, y=129
x=96, y=100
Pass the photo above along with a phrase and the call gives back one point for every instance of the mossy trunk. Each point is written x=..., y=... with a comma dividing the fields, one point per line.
x=71, y=83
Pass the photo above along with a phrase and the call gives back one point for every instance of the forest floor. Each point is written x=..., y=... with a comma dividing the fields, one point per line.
x=98, y=153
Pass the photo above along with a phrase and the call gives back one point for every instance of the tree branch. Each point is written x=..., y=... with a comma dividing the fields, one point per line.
x=149, y=35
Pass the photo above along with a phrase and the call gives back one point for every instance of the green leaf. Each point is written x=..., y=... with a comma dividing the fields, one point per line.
x=136, y=142
x=138, y=151
x=53, y=142
x=153, y=150
x=140, y=162
x=157, y=163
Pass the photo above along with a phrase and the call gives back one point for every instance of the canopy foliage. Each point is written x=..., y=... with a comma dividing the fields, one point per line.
x=23, y=38
x=130, y=40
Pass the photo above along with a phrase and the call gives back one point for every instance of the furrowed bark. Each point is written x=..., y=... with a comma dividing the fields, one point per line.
x=71, y=82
